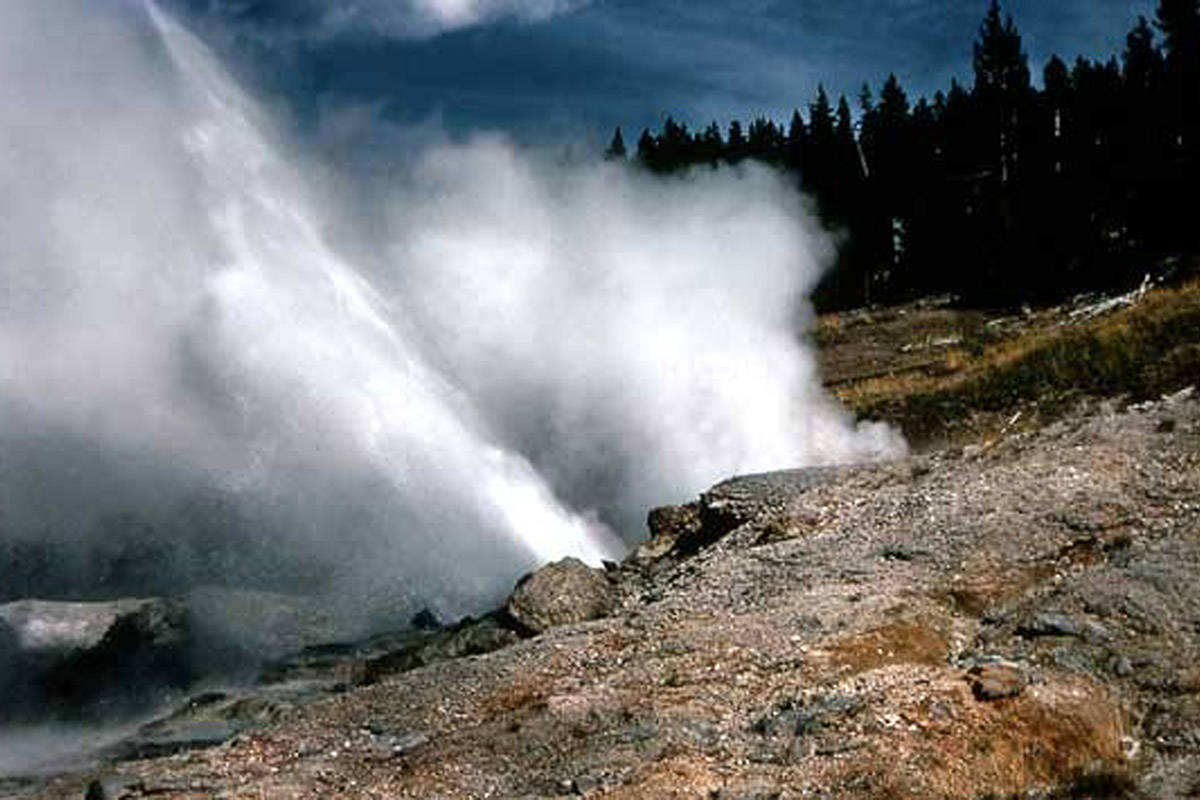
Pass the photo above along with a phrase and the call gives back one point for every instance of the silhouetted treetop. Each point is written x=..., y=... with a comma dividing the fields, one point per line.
x=616, y=148
x=1001, y=66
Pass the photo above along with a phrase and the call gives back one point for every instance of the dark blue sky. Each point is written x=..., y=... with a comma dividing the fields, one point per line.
x=549, y=67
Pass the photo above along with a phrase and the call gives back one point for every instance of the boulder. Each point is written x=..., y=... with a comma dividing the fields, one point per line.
x=69, y=659
x=561, y=593
x=673, y=521
x=45, y=626
x=468, y=637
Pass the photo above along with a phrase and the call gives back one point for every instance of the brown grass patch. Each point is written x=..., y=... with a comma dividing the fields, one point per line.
x=982, y=590
x=1045, y=738
x=520, y=696
x=1041, y=738
x=895, y=643
x=674, y=776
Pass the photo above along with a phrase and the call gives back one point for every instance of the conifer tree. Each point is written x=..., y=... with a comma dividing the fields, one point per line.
x=1001, y=66
x=1179, y=21
x=820, y=150
x=849, y=166
x=616, y=148
x=1001, y=90
x=647, y=150
x=735, y=147
x=820, y=120
x=711, y=146
x=1143, y=64
x=794, y=144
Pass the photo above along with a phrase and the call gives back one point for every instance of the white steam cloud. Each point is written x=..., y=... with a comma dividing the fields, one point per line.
x=525, y=360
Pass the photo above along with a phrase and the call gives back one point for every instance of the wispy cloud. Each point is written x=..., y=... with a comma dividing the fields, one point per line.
x=400, y=19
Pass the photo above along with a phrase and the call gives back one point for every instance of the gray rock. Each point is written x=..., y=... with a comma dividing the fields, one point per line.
x=113, y=787
x=1050, y=624
x=584, y=784
x=1120, y=666
x=806, y=717
x=167, y=738
x=72, y=658
x=469, y=637
x=1055, y=624
x=425, y=620
x=472, y=638
x=561, y=593
x=673, y=521
x=745, y=498
x=45, y=626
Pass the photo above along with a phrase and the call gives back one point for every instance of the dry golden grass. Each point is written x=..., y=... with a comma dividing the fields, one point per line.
x=975, y=386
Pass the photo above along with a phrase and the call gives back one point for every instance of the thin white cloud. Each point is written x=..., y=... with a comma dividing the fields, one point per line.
x=417, y=19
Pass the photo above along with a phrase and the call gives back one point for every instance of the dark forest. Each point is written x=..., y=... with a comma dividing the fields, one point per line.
x=1000, y=193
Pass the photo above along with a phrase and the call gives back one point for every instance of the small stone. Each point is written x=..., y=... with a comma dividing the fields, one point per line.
x=584, y=784
x=996, y=681
x=1051, y=624
x=112, y=787
x=409, y=741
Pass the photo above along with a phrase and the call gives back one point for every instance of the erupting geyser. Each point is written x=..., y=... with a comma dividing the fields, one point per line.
x=509, y=365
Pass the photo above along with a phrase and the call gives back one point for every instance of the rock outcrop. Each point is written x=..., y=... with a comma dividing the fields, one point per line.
x=80, y=660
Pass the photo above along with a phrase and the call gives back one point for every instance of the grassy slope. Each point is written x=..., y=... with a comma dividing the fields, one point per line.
x=962, y=380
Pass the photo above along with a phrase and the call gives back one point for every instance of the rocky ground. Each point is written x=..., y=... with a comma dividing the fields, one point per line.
x=1020, y=617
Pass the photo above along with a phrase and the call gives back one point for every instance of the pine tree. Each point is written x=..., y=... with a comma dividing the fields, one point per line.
x=1002, y=90
x=1179, y=21
x=1143, y=63
x=647, y=150
x=674, y=146
x=886, y=136
x=820, y=116
x=1001, y=66
x=1141, y=145
x=616, y=149
x=711, y=146
x=794, y=144
x=735, y=147
x=764, y=141
x=1056, y=120
x=820, y=150
x=848, y=161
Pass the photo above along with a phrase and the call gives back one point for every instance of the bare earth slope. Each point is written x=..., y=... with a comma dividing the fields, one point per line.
x=1024, y=616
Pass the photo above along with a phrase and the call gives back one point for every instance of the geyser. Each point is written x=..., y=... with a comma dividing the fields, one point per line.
x=510, y=364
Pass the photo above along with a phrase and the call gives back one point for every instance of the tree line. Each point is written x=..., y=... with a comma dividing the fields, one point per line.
x=999, y=193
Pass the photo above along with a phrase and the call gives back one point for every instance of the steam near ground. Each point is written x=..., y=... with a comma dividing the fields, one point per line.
x=510, y=363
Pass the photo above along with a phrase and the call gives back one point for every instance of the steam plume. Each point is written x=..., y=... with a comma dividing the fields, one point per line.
x=526, y=358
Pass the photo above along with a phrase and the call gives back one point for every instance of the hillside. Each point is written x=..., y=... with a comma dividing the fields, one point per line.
x=951, y=376
x=1010, y=612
